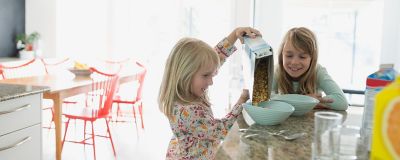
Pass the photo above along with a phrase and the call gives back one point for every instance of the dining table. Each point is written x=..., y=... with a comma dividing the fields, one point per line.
x=239, y=145
x=63, y=85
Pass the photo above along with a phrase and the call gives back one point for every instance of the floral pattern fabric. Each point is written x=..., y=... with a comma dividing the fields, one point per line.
x=225, y=48
x=196, y=133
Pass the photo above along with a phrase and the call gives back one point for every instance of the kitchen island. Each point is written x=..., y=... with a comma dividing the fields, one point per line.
x=266, y=146
x=20, y=121
x=11, y=91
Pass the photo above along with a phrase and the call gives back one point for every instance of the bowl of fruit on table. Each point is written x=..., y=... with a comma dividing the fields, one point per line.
x=80, y=69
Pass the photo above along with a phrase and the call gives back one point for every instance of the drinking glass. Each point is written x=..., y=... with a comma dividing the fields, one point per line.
x=325, y=140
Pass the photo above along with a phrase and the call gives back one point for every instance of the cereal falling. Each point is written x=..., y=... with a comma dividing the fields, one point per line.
x=262, y=79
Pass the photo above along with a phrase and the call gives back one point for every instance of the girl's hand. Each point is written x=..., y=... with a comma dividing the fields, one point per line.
x=322, y=101
x=242, y=31
x=321, y=106
x=239, y=32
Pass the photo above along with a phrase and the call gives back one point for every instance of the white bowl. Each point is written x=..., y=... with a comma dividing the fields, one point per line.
x=301, y=103
x=270, y=112
x=80, y=72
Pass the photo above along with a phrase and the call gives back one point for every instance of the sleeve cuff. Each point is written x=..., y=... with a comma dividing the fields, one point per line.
x=225, y=48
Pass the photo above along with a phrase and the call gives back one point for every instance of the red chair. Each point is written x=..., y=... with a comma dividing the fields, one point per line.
x=98, y=106
x=132, y=99
x=123, y=61
x=113, y=66
x=22, y=69
x=55, y=65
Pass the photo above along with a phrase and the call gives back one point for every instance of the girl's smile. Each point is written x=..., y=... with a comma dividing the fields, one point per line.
x=202, y=79
x=295, y=61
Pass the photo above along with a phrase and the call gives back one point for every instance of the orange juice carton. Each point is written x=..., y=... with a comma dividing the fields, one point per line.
x=374, y=84
x=386, y=126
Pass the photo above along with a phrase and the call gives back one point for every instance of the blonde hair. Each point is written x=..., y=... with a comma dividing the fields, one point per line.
x=185, y=59
x=302, y=39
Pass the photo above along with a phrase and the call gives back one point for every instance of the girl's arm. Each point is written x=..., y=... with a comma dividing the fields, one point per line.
x=199, y=123
x=331, y=89
x=243, y=97
x=218, y=128
x=226, y=47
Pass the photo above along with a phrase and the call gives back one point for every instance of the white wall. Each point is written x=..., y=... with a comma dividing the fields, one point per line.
x=242, y=13
x=64, y=27
x=390, y=52
x=82, y=31
x=40, y=16
x=269, y=21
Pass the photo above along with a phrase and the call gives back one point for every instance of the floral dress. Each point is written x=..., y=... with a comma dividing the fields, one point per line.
x=196, y=133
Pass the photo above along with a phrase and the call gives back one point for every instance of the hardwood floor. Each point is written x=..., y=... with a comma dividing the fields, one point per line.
x=130, y=142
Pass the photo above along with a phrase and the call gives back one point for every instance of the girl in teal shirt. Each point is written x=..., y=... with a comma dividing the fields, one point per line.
x=299, y=73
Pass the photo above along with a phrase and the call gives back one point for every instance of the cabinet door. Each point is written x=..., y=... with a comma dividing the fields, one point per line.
x=20, y=113
x=22, y=144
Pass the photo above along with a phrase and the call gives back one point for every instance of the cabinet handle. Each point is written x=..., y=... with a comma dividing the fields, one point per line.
x=26, y=139
x=16, y=109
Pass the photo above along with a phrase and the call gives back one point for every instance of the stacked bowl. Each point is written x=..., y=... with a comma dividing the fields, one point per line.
x=269, y=112
x=80, y=72
x=301, y=103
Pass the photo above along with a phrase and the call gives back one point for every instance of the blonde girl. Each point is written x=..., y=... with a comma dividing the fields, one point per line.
x=188, y=73
x=299, y=73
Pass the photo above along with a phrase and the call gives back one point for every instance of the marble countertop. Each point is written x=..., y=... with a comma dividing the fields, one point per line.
x=266, y=146
x=10, y=91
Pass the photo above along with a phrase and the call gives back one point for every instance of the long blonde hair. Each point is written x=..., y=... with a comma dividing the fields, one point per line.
x=302, y=39
x=185, y=59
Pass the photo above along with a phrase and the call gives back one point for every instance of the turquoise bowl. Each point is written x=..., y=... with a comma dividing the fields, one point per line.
x=301, y=103
x=269, y=112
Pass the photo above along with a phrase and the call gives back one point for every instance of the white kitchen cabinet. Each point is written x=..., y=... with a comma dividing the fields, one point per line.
x=20, y=128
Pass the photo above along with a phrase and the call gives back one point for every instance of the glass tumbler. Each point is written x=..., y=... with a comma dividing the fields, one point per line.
x=324, y=140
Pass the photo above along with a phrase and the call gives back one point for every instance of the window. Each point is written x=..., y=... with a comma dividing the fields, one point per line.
x=348, y=34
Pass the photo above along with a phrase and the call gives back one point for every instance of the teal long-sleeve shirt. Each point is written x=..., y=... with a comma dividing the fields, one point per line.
x=325, y=84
